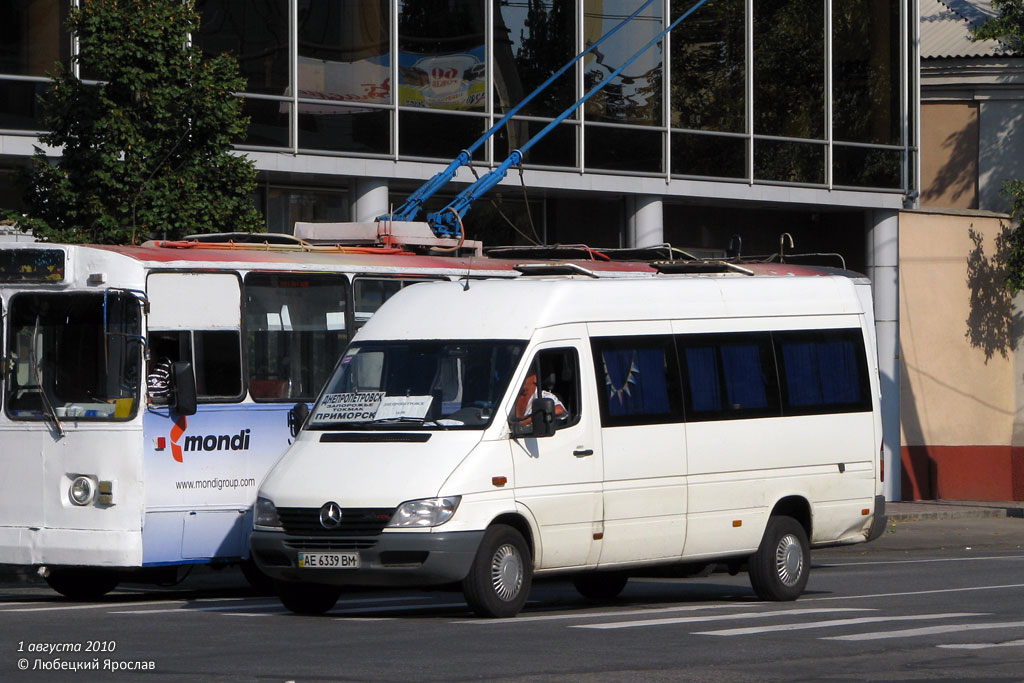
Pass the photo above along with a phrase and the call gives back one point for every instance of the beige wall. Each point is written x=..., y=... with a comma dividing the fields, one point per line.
x=957, y=385
x=949, y=155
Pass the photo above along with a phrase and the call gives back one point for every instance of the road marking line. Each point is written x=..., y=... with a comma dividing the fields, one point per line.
x=983, y=646
x=832, y=623
x=826, y=564
x=395, y=608
x=102, y=605
x=189, y=608
x=899, y=595
x=601, y=615
x=713, y=617
x=932, y=630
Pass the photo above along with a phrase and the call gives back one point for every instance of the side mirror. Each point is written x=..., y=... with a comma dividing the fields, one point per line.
x=542, y=414
x=183, y=391
x=297, y=417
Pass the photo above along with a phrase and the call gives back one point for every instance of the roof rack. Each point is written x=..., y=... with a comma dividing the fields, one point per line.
x=554, y=269
x=243, y=238
x=698, y=267
x=582, y=251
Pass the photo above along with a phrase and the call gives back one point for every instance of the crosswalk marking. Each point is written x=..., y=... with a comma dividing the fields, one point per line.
x=932, y=630
x=982, y=646
x=397, y=608
x=597, y=615
x=189, y=608
x=102, y=605
x=834, y=623
x=716, y=617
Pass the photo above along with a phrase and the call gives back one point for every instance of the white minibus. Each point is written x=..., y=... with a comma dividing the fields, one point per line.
x=483, y=433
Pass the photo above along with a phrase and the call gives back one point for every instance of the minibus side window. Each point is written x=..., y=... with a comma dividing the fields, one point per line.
x=729, y=376
x=554, y=373
x=823, y=371
x=638, y=380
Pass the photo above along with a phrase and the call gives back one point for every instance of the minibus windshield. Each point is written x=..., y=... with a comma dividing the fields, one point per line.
x=417, y=384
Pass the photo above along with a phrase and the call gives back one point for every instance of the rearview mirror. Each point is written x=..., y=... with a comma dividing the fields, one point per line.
x=539, y=423
x=542, y=410
x=183, y=391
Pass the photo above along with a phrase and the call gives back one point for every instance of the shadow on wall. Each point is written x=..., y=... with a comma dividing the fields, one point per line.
x=992, y=324
x=958, y=176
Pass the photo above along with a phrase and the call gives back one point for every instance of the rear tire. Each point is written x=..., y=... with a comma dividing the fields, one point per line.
x=499, y=581
x=780, y=567
x=600, y=585
x=307, y=598
x=82, y=583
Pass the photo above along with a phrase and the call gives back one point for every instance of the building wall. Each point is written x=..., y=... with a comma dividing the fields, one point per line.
x=1001, y=148
x=958, y=349
x=949, y=155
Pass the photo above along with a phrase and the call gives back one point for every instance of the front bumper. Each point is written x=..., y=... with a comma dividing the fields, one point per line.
x=389, y=559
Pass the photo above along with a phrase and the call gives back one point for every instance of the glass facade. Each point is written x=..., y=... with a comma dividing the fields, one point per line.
x=804, y=92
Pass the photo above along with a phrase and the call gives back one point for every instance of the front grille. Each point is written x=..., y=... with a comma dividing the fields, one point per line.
x=329, y=544
x=354, y=521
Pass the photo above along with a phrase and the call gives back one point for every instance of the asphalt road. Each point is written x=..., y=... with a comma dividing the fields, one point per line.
x=930, y=600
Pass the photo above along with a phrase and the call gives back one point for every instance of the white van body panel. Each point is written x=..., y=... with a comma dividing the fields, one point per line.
x=366, y=474
x=595, y=496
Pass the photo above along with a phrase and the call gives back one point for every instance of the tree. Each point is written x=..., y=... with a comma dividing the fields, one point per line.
x=1008, y=28
x=147, y=150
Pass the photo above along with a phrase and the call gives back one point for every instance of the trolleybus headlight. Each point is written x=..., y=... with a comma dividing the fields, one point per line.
x=82, y=491
x=425, y=512
x=266, y=513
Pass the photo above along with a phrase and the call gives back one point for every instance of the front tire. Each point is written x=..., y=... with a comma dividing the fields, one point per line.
x=307, y=598
x=499, y=581
x=780, y=567
x=82, y=583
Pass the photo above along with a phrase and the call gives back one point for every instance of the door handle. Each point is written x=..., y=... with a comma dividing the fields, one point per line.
x=583, y=452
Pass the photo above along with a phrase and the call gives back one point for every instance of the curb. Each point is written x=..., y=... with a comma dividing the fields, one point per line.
x=924, y=511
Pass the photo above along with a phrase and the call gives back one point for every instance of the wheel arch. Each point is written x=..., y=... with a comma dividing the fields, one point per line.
x=798, y=508
x=520, y=524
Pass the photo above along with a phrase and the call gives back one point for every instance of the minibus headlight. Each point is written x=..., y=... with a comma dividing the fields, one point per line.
x=82, y=491
x=266, y=513
x=425, y=512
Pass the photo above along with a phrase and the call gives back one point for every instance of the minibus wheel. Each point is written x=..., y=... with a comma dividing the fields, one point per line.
x=782, y=563
x=307, y=598
x=82, y=583
x=499, y=581
x=600, y=585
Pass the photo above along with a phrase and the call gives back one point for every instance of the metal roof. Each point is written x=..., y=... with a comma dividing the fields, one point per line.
x=945, y=29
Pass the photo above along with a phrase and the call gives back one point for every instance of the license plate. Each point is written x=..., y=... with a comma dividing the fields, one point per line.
x=329, y=560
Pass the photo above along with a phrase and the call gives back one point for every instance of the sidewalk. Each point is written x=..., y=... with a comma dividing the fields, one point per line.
x=912, y=511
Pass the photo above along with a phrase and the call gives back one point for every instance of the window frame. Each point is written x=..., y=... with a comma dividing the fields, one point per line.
x=853, y=335
x=766, y=355
x=673, y=378
x=342, y=279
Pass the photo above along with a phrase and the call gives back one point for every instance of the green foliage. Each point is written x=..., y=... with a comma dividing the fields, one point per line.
x=1014, y=249
x=1008, y=27
x=146, y=152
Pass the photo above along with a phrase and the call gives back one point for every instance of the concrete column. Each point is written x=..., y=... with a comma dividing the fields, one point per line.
x=883, y=269
x=369, y=199
x=645, y=226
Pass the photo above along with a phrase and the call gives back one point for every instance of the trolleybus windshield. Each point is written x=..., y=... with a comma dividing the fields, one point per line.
x=73, y=355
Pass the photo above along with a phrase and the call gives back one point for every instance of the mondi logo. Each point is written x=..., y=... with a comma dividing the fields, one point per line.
x=206, y=442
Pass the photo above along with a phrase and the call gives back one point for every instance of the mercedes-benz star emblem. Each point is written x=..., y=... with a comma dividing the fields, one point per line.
x=330, y=515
